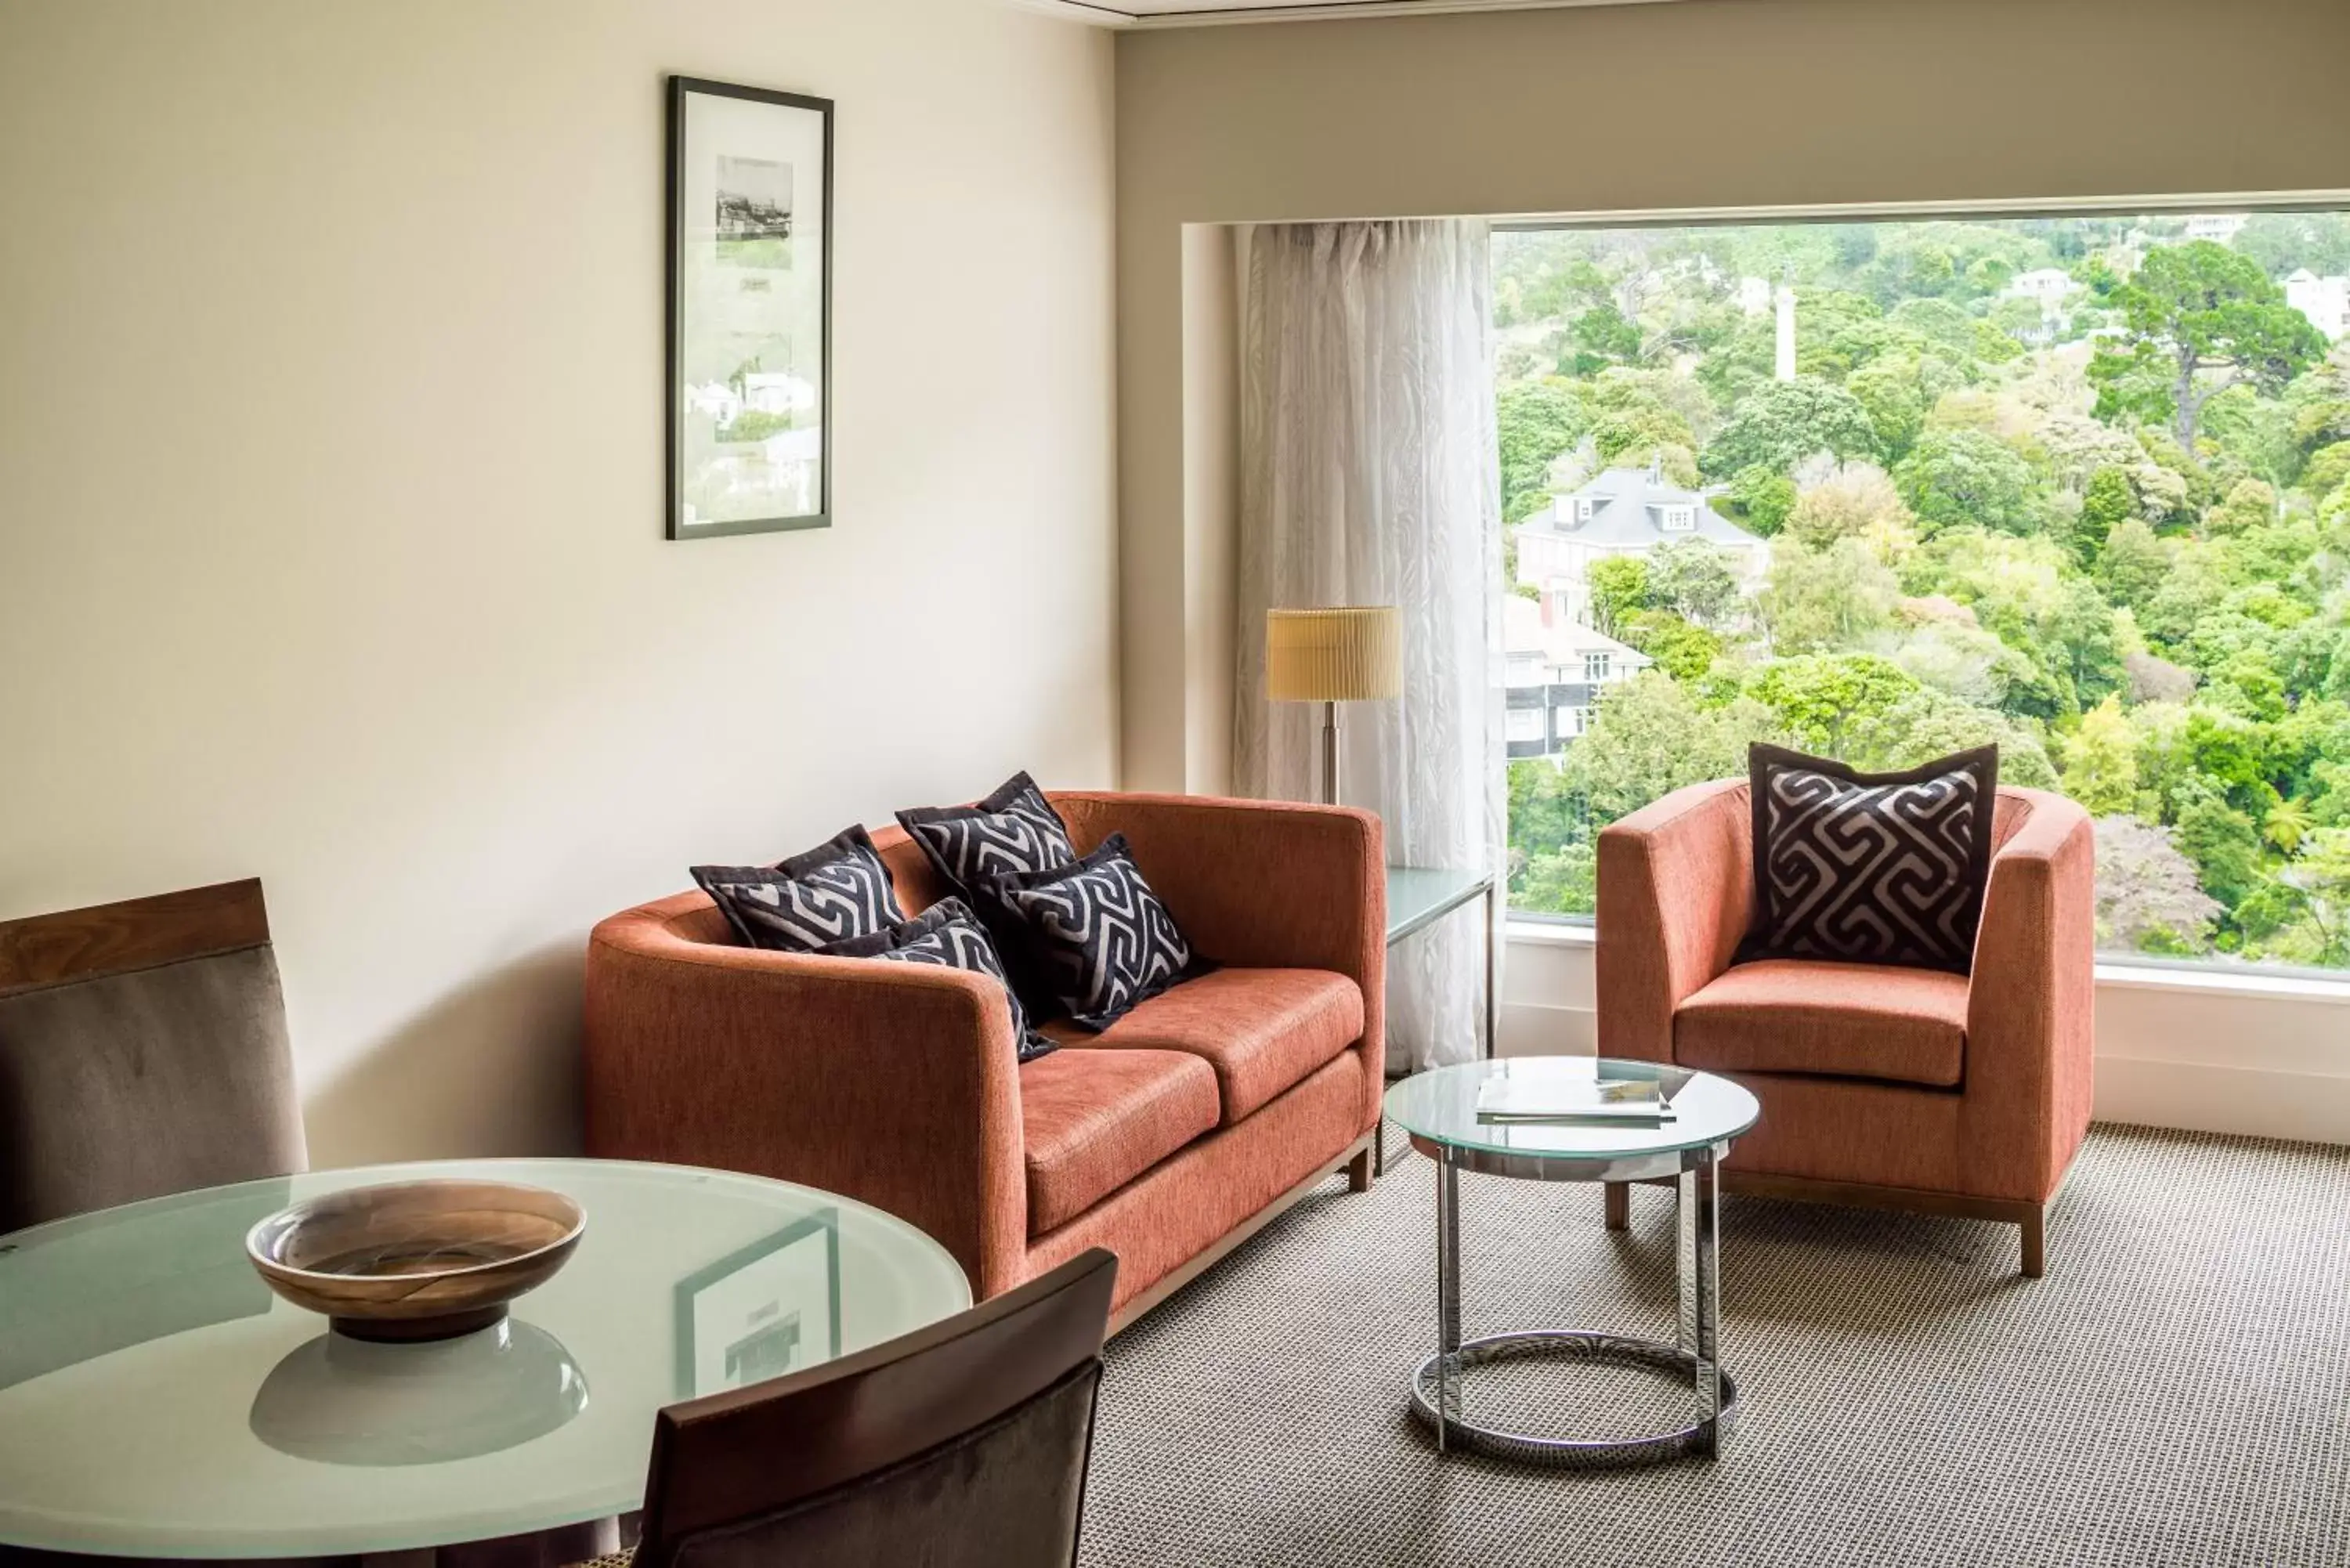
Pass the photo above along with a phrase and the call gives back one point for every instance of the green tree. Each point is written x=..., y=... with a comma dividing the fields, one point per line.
x=1779, y=424
x=2222, y=841
x=1762, y=498
x=1957, y=478
x=1826, y=600
x=2133, y=564
x=1648, y=738
x=1695, y=579
x=2110, y=499
x=1537, y=422
x=1619, y=589
x=2199, y=318
x=2101, y=761
x=1819, y=700
x=1682, y=651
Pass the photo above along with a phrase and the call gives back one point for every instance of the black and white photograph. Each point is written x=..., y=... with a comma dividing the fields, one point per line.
x=750, y=310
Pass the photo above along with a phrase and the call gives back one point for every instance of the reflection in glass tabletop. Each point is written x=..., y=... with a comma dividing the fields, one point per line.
x=1441, y=1105
x=157, y=1400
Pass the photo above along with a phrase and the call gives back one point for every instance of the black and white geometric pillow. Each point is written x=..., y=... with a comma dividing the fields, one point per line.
x=949, y=935
x=1859, y=867
x=1096, y=931
x=1015, y=829
x=836, y=891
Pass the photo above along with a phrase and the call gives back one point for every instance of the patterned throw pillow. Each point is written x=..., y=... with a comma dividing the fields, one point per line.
x=947, y=934
x=1015, y=829
x=1870, y=867
x=1097, y=932
x=839, y=889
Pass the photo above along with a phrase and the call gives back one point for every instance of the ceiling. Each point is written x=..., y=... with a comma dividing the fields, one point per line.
x=1206, y=13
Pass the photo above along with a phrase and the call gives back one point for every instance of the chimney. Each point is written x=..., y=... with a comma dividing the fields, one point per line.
x=1786, y=365
x=1656, y=468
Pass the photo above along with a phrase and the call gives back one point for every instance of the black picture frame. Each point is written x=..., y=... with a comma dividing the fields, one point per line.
x=682, y=90
x=821, y=1229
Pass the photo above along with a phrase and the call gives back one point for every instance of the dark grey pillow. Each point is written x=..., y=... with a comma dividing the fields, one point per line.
x=839, y=889
x=1860, y=867
x=1095, y=930
x=1015, y=829
x=947, y=934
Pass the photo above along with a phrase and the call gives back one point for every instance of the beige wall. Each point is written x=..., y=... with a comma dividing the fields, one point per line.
x=330, y=490
x=1706, y=104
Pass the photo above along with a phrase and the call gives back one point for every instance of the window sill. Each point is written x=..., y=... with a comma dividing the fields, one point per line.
x=2118, y=974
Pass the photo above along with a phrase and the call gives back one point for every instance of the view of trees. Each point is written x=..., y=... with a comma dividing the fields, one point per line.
x=2101, y=519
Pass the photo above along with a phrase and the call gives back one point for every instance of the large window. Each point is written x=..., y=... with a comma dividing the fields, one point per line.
x=2079, y=486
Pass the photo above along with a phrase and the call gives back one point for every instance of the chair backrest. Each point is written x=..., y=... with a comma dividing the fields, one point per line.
x=963, y=1444
x=142, y=1051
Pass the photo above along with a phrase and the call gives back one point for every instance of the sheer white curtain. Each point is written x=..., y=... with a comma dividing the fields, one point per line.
x=1370, y=477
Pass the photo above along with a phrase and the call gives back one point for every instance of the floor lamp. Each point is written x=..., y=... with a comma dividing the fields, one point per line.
x=1348, y=654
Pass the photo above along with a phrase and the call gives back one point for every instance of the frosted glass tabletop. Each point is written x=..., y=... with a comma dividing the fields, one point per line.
x=157, y=1400
x=1441, y=1105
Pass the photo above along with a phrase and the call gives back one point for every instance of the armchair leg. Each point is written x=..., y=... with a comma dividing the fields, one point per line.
x=1620, y=1204
x=2035, y=1242
x=1358, y=1172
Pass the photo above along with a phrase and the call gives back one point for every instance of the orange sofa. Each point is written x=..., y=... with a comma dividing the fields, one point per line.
x=1950, y=1094
x=1167, y=1138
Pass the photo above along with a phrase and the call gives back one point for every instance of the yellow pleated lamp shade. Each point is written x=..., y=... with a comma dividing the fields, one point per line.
x=1350, y=654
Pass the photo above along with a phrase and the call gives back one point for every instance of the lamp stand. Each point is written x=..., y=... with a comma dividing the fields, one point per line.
x=1329, y=754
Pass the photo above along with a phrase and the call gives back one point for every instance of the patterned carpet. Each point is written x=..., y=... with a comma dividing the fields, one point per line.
x=2177, y=1391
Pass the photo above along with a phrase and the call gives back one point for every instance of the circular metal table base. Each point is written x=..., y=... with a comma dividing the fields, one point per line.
x=1572, y=1344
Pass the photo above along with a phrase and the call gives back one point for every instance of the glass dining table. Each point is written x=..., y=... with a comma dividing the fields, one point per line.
x=158, y=1401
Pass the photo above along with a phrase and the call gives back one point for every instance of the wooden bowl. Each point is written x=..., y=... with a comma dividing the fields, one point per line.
x=416, y=1259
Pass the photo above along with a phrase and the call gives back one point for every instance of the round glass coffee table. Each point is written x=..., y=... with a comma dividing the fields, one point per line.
x=1439, y=1109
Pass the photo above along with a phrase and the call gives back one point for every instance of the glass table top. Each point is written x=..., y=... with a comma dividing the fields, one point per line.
x=1441, y=1105
x=157, y=1400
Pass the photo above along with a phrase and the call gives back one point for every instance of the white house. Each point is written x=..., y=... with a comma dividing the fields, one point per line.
x=1623, y=511
x=777, y=392
x=2221, y=227
x=1557, y=668
x=2325, y=300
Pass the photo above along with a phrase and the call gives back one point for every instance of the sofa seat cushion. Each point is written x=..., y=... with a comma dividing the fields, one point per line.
x=1843, y=1020
x=1262, y=1029
x=1095, y=1120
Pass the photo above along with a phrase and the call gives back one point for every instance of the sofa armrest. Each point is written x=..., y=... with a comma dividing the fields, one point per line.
x=1676, y=888
x=895, y=1084
x=1262, y=884
x=2031, y=1011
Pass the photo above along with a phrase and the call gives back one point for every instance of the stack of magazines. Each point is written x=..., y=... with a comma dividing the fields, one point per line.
x=1562, y=1097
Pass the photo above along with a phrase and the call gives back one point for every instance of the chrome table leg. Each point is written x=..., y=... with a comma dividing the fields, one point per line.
x=1448, y=1296
x=1700, y=1290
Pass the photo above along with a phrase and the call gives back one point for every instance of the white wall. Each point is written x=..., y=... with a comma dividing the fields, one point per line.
x=330, y=490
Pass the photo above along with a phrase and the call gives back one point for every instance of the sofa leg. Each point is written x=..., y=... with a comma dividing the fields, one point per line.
x=2035, y=1242
x=1358, y=1172
x=1620, y=1204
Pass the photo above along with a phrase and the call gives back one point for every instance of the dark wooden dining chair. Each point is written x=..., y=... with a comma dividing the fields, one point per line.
x=963, y=1444
x=142, y=1051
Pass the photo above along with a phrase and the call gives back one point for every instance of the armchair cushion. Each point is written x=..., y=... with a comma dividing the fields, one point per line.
x=1857, y=868
x=1095, y=1120
x=1840, y=1020
x=1262, y=1030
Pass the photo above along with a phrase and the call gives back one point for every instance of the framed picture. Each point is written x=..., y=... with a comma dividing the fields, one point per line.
x=750, y=310
x=772, y=1308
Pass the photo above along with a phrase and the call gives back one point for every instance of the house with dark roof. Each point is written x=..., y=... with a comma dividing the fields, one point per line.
x=1623, y=511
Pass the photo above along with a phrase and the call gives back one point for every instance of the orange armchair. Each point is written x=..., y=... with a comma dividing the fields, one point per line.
x=1963, y=1094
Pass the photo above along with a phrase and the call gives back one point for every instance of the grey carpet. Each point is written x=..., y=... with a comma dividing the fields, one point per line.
x=2176, y=1391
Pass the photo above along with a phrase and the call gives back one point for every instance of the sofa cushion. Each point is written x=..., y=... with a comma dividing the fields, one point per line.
x=1093, y=929
x=1849, y=1019
x=1095, y=1120
x=839, y=890
x=1262, y=1029
x=949, y=935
